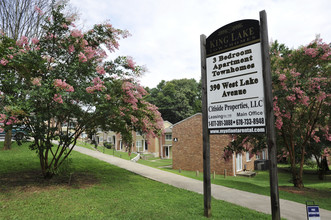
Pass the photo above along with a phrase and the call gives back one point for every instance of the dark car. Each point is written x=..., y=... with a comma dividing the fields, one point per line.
x=18, y=132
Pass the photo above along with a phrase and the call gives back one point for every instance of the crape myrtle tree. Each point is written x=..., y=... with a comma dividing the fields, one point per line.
x=63, y=77
x=301, y=89
x=22, y=18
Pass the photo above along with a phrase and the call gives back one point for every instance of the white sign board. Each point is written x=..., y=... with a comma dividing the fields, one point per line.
x=235, y=93
x=313, y=212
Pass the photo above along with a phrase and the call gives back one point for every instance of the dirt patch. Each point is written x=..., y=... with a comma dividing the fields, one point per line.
x=292, y=189
x=33, y=181
x=305, y=191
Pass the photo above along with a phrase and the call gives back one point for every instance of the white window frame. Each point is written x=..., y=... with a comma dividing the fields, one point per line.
x=239, y=162
x=109, y=139
x=138, y=145
x=247, y=156
x=167, y=137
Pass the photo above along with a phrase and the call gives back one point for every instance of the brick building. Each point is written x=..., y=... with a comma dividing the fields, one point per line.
x=158, y=146
x=187, y=149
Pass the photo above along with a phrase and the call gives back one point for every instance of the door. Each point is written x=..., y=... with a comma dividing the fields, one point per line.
x=239, y=164
x=166, y=151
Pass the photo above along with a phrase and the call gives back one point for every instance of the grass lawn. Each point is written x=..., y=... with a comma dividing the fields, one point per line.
x=97, y=190
x=120, y=154
x=315, y=190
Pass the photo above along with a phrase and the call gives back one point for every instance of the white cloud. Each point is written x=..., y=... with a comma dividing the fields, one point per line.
x=166, y=33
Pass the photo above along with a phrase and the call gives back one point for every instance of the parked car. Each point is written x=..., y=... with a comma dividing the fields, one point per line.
x=18, y=132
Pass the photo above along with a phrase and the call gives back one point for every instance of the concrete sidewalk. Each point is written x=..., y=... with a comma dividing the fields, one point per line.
x=289, y=209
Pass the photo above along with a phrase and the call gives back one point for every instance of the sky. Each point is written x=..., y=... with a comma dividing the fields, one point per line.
x=166, y=33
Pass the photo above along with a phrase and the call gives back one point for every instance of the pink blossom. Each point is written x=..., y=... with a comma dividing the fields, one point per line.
x=316, y=139
x=279, y=123
x=284, y=86
x=4, y=62
x=326, y=152
x=58, y=83
x=134, y=119
x=130, y=62
x=282, y=77
x=97, y=81
x=37, y=9
x=107, y=97
x=287, y=115
x=58, y=98
x=326, y=56
x=227, y=154
x=51, y=36
x=291, y=98
x=294, y=73
x=71, y=48
x=36, y=81
x=311, y=52
x=76, y=33
x=298, y=91
x=321, y=96
x=35, y=40
x=98, y=86
x=90, y=90
x=100, y=70
x=2, y=118
x=22, y=41
x=141, y=90
x=89, y=52
x=305, y=100
x=70, y=88
x=82, y=57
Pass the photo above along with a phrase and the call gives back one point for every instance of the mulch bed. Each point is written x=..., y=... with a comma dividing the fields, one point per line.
x=34, y=181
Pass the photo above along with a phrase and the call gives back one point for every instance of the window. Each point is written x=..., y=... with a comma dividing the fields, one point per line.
x=109, y=139
x=138, y=145
x=239, y=162
x=257, y=156
x=138, y=133
x=248, y=156
x=168, y=137
x=72, y=125
x=263, y=155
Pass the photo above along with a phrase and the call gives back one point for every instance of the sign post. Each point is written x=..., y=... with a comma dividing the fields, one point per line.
x=271, y=134
x=237, y=93
x=206, y=143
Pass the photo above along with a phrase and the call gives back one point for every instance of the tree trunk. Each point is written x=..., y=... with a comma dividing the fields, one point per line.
x=323, y=168
x=297, y=181
x=7, y=143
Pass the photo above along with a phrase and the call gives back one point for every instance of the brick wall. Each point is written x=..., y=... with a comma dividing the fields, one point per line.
x=187, y=151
